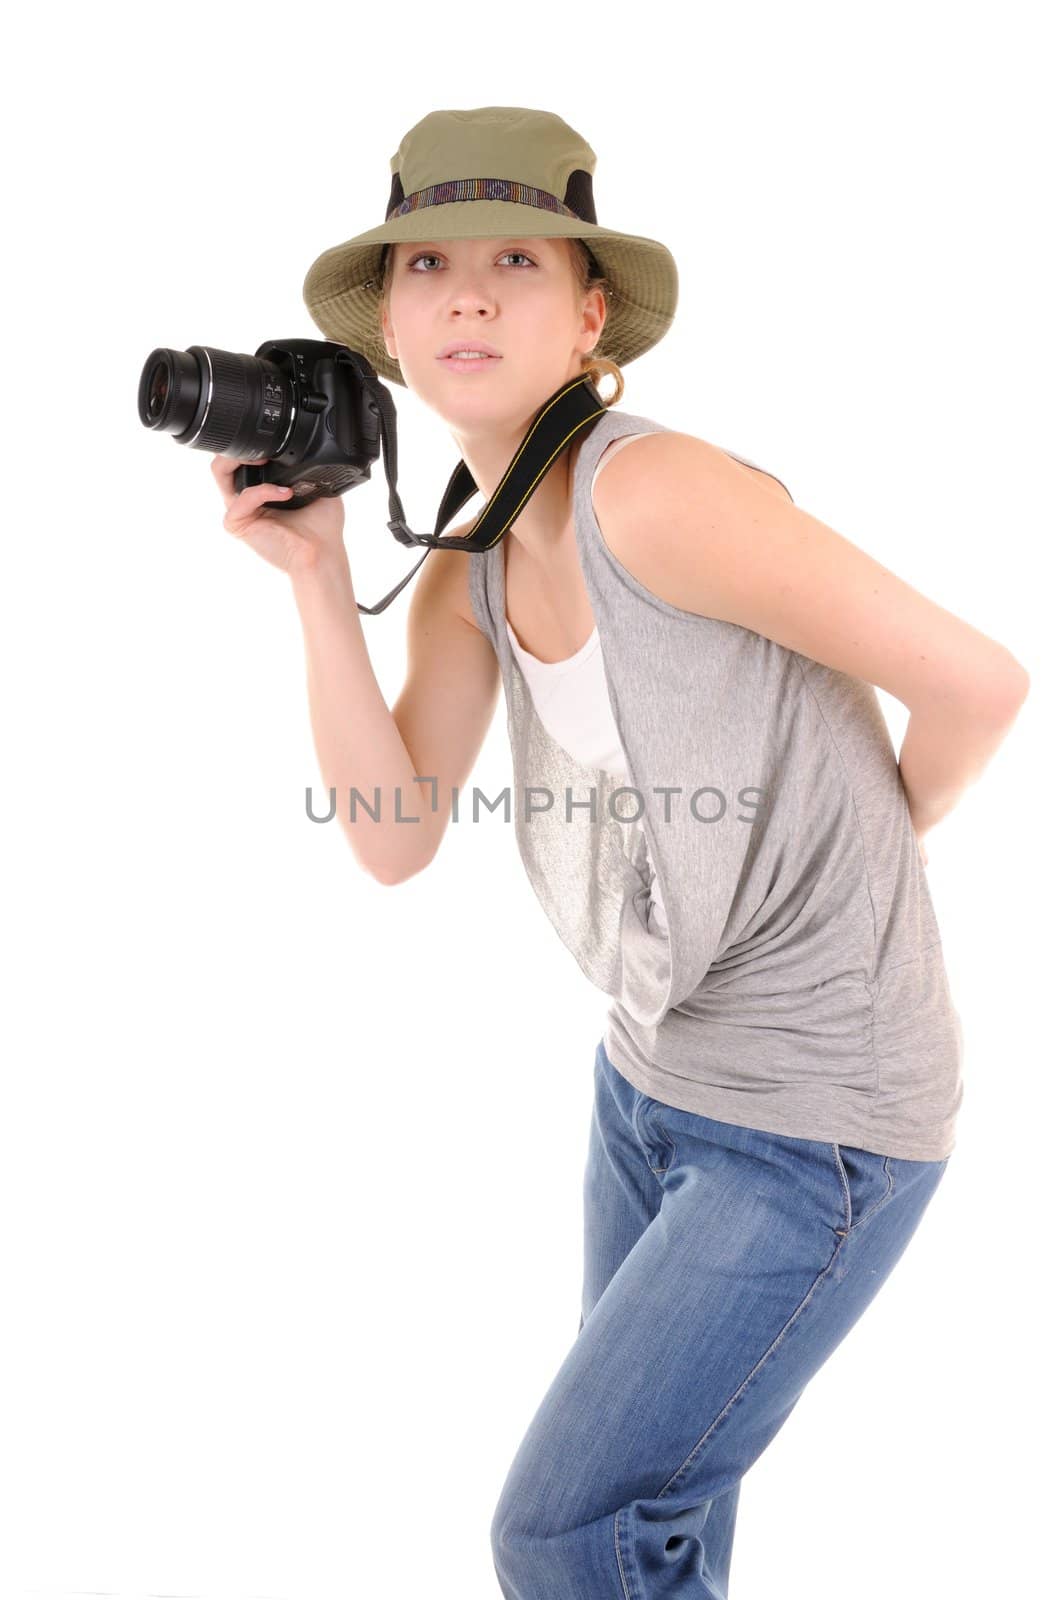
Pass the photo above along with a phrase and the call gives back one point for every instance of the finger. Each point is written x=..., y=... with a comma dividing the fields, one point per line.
x=246, y=508
x=225, y=466
x=224, y=469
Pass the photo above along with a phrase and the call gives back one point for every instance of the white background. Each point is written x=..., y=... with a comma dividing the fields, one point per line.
x=291, y=1163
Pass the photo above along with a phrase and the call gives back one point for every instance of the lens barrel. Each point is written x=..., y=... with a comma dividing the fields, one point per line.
x=217, y=400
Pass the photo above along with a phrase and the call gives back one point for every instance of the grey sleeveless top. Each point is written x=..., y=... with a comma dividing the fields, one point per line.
x=800, y=987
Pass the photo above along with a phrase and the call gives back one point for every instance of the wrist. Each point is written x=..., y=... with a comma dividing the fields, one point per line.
x=327, y=574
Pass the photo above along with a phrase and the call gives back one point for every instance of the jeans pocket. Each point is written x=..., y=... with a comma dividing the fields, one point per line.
x=866, y=1181
x=657, y=1143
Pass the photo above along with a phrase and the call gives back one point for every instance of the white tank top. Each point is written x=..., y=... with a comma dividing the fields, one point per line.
x=572, y=701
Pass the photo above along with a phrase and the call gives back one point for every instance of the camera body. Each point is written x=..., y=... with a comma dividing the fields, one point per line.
x=312, y=406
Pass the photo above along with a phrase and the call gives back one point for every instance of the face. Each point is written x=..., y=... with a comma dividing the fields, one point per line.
x=519, y=296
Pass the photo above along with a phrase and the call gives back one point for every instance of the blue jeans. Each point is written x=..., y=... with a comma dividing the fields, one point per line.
x=722, y=1266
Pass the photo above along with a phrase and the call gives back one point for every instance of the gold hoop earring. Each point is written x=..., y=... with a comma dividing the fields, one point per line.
x=597, y=366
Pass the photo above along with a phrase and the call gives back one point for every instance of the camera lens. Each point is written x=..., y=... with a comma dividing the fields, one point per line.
x=158, y=388
x=217, y=400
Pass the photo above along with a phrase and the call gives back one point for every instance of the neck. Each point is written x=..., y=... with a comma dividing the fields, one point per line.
x=542, y=524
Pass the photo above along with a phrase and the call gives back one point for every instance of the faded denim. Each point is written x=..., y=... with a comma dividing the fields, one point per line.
x=722, y=1266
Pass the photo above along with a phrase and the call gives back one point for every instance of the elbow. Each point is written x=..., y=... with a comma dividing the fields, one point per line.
x=1010, y=686
x=390, y=874
x=1023, y=684
x=995, y=694
x=386, y=870
x=390, y=877
x=989, y=692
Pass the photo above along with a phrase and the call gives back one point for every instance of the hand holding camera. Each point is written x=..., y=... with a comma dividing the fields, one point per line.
x=295, y=541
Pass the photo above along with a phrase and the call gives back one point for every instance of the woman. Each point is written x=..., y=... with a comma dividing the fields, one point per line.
x=777, y=1086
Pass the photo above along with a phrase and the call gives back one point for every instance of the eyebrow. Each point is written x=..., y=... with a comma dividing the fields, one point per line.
x=436, y=244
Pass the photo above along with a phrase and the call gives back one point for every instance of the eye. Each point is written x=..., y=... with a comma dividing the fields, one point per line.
x=428, y=255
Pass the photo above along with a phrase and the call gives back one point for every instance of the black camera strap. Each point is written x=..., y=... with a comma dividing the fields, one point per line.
x=559, y=419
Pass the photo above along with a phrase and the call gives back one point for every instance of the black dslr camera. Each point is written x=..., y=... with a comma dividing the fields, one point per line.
x=321, y=415
x=313, y=407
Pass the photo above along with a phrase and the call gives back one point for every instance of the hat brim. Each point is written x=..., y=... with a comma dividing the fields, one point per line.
x=342, y=289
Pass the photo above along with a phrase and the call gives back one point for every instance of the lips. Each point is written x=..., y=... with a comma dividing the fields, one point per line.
x=467, y=365
x=477, y=346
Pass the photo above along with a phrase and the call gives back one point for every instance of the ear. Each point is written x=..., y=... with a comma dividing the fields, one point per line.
x=594, y=318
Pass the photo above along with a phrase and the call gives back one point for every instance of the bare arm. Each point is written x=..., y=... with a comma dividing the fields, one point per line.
x=946, y=747
x=704, y=534
x=438, y=723
x=445, y=707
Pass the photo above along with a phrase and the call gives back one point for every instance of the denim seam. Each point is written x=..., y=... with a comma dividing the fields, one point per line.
x=850, y=1226
x=889, y=1190
x=747, y=1380
x=621, y=1560
x=662, y=1133
x=846, y=1192
x=645, y=1126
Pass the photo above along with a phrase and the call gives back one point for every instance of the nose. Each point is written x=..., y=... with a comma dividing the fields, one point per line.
x=470, y=293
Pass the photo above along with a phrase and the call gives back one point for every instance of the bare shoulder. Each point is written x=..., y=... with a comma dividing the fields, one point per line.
x=683, y=457
x=696, y=531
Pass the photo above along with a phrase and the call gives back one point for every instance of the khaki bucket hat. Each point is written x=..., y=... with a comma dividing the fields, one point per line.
x=493, y=172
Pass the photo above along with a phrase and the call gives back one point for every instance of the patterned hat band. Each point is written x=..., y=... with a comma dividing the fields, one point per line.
x=578, y=201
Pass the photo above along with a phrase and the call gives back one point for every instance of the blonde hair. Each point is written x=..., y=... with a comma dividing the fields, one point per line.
x=587, y=274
